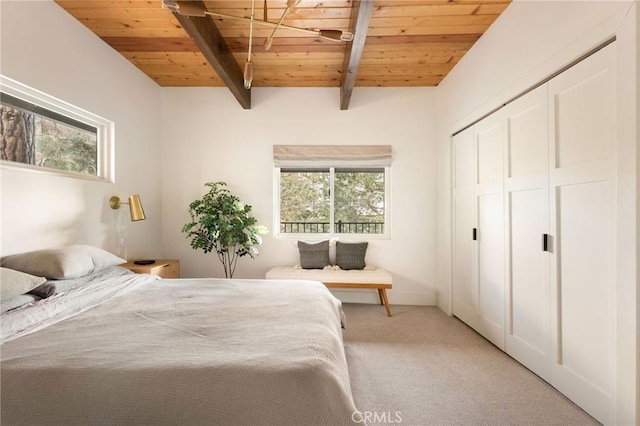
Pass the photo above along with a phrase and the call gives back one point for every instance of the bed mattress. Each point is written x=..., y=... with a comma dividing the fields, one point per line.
x=185, y=351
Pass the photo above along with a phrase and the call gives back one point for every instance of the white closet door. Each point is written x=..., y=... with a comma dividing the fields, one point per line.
x=527, y=289
x=464, y=292
x=582, y=177
x=489, y=138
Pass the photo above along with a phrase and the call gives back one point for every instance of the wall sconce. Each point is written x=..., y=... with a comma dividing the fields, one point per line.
x=135, y=206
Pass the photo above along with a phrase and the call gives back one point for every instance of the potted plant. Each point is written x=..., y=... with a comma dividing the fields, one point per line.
x=220, y=222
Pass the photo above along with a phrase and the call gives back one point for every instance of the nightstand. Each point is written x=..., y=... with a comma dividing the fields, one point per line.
x=164, y=268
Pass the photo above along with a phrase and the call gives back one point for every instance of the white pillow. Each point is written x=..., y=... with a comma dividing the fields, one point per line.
x=14, y=283
x=68, y=262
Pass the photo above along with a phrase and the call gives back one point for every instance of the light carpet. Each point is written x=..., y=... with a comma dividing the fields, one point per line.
x=422, y=367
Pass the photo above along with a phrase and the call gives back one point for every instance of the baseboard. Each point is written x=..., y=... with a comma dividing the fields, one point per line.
x=395, y=297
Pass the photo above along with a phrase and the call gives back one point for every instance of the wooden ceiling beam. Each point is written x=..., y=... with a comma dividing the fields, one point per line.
x=207, y=38
x=360, y=17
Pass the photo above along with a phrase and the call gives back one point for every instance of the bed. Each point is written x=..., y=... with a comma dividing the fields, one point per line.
x=122, y=348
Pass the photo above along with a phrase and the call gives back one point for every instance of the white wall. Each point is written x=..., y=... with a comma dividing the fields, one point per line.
x=206, y=136
x=45, y=48
x=530, y=41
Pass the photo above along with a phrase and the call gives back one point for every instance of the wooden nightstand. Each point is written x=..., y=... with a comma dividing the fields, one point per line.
x=164, y=268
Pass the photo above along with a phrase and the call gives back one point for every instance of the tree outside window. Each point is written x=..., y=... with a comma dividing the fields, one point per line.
x=356, y=205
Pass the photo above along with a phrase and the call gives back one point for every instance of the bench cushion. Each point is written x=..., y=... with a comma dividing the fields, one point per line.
x=365, y=276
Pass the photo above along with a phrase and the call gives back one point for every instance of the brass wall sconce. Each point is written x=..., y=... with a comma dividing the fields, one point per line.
x=135, y=206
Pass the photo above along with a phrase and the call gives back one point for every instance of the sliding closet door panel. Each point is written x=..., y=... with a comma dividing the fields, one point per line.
x=528, y=296
x=588, y=141
x=528, y=137
x=464, y=287
x=489, y=136
x=463, y=170
x=586, y=281
x=583, y=213
x=489, y=192
x=491, y=266
x=465, y=292
x=528, y=334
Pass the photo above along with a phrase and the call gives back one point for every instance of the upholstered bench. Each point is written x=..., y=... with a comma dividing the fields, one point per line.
x=374, y=278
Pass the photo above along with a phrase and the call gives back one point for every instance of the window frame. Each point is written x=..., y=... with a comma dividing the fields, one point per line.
x=328, y=235
x=104, y=137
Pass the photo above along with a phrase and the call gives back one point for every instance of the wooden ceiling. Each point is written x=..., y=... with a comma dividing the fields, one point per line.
x=408, y=42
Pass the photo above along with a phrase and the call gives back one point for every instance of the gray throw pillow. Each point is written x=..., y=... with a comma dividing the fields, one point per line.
x=314, y=255
x=351, y=255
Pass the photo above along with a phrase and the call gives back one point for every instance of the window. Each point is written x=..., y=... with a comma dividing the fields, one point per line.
x=359, y=201
x=44, y=133
x=305, y=201
x=348, y=197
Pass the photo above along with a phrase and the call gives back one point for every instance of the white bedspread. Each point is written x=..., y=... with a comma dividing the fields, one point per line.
x=186, y=352
x=97, y=289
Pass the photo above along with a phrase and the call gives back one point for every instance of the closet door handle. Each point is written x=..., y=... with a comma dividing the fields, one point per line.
x=474, y=234
x=545, y=242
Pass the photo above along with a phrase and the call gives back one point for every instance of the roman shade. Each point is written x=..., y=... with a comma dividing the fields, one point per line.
x=331, y=155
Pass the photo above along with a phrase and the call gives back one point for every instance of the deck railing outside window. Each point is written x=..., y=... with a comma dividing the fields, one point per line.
x=324, y=227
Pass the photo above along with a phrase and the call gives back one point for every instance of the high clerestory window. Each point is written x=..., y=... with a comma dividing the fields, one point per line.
x=332, y=189
x=40, y=132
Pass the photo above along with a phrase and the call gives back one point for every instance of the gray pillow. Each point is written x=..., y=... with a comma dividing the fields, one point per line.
x=314, y=255
x=14, y=283
x=68, y=262
x=351, y=255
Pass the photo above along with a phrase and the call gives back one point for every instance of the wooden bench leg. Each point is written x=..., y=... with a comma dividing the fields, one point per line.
x=385, y=301
x=382, y=290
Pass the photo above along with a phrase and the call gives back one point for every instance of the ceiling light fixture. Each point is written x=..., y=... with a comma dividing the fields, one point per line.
x=248, y=67
x=186, y=8
x=290, y=5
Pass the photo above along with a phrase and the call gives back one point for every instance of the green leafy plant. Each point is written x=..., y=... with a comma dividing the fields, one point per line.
x=220, y=222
